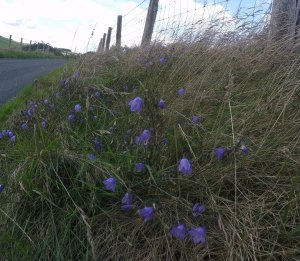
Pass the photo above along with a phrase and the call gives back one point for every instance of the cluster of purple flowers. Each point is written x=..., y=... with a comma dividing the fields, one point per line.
x=198, y=234
x=31, y=113
x=145, y=213
x=72, y=117
x=25, y=126
x=198, y=209
x=136, y=104
x=222, y=152
x=9, y=134
x=150, y=59
x=33, y=106
x=97, y=147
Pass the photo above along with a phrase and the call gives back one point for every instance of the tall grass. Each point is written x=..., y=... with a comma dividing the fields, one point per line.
x=54, y=205
x=13, y=53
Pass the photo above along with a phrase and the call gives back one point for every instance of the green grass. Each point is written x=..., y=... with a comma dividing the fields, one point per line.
x=29, y=92
x=8, y=108
x=15, y=51
x=10, y=53
x=4, y=43
x=244, y=94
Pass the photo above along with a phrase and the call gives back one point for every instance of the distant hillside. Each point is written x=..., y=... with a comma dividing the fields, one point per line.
x=5, y=41
x=28, y=51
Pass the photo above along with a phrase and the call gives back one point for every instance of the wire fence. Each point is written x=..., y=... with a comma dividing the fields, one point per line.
x=133, y=23
x=192, y=20
x=182, y=20
x=20, y=43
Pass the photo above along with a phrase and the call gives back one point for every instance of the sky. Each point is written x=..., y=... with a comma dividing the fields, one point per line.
x=79, y=24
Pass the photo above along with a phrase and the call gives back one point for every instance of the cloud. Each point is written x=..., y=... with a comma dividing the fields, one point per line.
x=190, y=19
x=56, y=21
x=28, y=23
x=16, y=22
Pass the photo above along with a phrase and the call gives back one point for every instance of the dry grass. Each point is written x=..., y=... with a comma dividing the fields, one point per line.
x=244, y=92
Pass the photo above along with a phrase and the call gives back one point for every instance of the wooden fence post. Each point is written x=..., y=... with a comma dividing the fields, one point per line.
x=283, y=20
x=9, y=43
x=150, y=21
x=297, y=32
x=103, y=42
x=108, y=38
x=99, y=45
x=119, y=31
x=21, y=43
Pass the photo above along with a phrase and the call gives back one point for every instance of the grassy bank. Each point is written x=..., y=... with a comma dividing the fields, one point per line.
x=14, y=53
x=32, y=91
x=235, y=122
x=4, y=43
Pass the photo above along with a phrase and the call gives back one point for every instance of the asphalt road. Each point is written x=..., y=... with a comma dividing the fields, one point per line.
x=15, y=74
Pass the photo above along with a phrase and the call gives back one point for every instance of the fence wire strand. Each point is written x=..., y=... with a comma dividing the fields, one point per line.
x=192, y=20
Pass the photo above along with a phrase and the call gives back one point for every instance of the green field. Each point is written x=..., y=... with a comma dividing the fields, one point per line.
x=4, y=43
x=77, y=142
x=16, y=52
